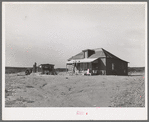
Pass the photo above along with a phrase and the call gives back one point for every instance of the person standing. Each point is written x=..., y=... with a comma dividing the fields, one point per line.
x=35, y=67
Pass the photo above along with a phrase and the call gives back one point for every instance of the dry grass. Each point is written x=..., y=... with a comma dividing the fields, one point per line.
x=131, y=97
x=74, y=91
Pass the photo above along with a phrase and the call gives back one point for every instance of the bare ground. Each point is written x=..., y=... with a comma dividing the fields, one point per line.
x=74, y=91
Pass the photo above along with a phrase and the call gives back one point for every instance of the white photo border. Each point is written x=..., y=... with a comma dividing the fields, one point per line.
x=70, y=113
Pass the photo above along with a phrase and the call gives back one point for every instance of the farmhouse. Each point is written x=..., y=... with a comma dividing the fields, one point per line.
x=97, y=61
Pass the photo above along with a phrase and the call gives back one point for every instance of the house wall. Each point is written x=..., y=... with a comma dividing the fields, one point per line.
x=101, y=66
x=104, y=66
x=116, y=67
x=102, y=63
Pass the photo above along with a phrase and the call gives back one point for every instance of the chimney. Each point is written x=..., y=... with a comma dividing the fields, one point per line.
x=88, y=53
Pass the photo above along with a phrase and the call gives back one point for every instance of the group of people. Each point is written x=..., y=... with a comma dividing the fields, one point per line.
x=76, y=71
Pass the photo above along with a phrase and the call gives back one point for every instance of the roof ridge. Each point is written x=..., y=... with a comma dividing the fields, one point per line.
x=99, y=52
x=109, y=53
x=112, y=55
x=96, y=48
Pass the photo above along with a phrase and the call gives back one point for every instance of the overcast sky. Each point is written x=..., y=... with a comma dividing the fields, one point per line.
x=52, y=33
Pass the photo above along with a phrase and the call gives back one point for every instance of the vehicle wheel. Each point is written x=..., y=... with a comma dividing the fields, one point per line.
x=27, y=72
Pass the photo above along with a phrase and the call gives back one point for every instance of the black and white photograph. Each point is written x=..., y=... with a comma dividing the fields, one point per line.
x=74, y=59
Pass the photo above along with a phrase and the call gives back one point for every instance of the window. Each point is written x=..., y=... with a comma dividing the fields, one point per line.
x=112, y=66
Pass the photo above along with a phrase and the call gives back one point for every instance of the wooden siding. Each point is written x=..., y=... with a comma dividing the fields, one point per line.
x=102, y=63
x=116, y=67
x=102, y=66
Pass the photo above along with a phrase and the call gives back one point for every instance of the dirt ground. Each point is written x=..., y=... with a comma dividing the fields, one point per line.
x=74, y=91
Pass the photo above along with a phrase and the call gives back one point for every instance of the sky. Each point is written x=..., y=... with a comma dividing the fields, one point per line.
x=52, y=33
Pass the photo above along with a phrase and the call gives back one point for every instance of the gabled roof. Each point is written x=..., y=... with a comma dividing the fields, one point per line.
x=110, y=55
x=99, y=53
x=78, y=56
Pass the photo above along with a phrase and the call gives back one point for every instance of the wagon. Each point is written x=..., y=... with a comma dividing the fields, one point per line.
x=46, y=69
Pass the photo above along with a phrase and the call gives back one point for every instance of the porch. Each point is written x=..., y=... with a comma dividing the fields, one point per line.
x=81, y=66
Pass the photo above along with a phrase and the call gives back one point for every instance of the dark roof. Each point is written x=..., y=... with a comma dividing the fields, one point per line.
x=47, y=64
x=99, y=53
x=86, y=50
x=78, y=56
